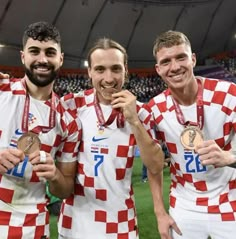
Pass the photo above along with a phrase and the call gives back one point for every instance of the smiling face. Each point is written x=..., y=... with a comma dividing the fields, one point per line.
x=175, y=65
x=42, y=61
x=107, y=71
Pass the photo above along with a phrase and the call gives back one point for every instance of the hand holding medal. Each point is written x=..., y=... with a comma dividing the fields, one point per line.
x=43, y=164
x=210, y=153
x=39, y=157
x=9, y=158
x=126, y=103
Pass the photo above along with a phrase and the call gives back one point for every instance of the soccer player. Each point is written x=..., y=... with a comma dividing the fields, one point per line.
x=102, y=205
x=196, y=118
x=35, y=130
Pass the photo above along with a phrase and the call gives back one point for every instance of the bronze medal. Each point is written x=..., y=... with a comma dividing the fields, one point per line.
x=191, y=137
x=29, y=143
x=107, y=93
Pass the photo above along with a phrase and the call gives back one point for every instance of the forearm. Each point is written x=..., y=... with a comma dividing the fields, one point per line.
x=150, y=151
x=62, y=185
x=164, y=221
x=156, y=184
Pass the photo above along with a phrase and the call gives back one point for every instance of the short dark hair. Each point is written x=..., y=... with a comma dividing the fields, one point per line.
x=41, y=31
x=169, y=39
x=106, y=43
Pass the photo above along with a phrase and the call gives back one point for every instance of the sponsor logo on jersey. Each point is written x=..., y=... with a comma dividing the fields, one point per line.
x=18, y=132
x=94, y=139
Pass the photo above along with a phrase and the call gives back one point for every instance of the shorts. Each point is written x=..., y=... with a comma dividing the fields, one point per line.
x=202, y=229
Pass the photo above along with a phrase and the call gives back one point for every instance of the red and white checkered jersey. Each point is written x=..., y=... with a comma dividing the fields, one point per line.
x=23, y=201
x=204, y=192
x=103, y=203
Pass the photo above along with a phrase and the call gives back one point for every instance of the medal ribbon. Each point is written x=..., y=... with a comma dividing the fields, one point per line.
x=114, y=114
x=39, y=128
x=200, y=111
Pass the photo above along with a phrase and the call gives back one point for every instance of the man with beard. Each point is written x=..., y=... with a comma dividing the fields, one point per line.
x=36, y=130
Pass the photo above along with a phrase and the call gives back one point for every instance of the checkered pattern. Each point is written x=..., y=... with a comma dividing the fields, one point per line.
x=103, y=203
x=18, y=224
x=23, y=201
x=195, y=188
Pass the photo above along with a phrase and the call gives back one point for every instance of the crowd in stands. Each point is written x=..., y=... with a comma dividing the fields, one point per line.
x=229, y=64
x=71, y=83
x=144, y=87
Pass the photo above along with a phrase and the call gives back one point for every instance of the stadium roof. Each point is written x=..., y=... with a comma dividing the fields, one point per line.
x=210, y=25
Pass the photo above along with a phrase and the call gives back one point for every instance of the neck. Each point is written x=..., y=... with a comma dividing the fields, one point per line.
x=187, y=95
x=184, y=98
x=39, y=93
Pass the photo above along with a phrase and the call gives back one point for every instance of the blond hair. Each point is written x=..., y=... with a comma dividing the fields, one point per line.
x=169, y=39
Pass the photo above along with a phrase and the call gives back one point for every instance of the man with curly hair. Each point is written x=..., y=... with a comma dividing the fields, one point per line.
x=36, y=130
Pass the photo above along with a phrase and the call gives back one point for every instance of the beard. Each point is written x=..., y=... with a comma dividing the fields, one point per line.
x=41, y=80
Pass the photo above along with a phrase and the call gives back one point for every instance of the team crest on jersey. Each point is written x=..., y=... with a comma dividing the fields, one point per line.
x=31, y=119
